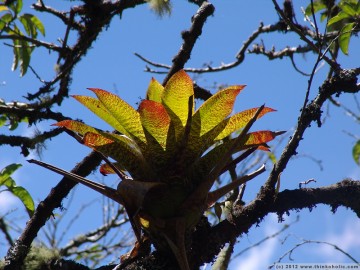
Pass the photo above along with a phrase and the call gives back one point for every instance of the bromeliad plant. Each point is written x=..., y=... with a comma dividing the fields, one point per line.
x=168, y=155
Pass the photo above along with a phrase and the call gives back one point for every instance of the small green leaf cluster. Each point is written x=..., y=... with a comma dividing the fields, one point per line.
x=10, y=20
x=18, y=191
x=344, y=18
x=356, y=152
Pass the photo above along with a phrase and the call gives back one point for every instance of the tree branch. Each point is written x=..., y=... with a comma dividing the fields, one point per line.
x=190, y=38
x=345, y=193
x=18, y=251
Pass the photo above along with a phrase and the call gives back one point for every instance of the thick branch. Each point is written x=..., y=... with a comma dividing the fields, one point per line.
x=32, y=112
x=345, y=193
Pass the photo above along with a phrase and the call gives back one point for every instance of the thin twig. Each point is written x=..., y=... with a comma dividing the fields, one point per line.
x=189, y=37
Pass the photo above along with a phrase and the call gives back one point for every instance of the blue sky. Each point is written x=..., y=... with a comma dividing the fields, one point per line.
x=111, y=65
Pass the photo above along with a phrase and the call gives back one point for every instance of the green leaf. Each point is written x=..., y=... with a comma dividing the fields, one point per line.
x=98, y=108
x=317, y=6
x=356, y=152
x=344, y=38
x=22, y=52
x=155, y=91
x=337, y=18
x=38, y=24
x=7, y=171
x=17, y=7
x=3, y=119
x=176, y=96
x=5, y=20
x=76, y=126
x=16, y=52
x=25, y=198
x=349, y=8
x=126, y=115
x=18, y=191
x=30, y=29
x=240, y=120
x=214, y=110
x=25, y=52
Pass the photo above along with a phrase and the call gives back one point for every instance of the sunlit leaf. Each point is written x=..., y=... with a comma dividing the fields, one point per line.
x=356, y=152
x=5, y=20
x=25, y=53
x=344, y=38
x=28, y=25
x=240, y=119
x=337, y=18
x=3, y=120
x=155, y=91
x=349, y=8
x=18, y=191
x=7, y=171
x=16, y=52
x=25, y=198
x=214, y=110
x=32, y=24
x=176, y=96
x=99, y=109
x=210, y=159
x=38, y=24
x=76, y=126
x=126, y=115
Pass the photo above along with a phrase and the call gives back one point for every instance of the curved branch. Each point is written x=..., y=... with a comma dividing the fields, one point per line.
x=190, y=38
x=34, y=41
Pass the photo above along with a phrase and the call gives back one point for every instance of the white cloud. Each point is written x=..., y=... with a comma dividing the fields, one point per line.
x=347, y=239
x=259, y=257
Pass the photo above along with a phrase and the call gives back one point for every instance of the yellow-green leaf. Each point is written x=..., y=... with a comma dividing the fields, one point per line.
x=240, y=120
x=76, y=126
x=3, y=8
x=356, y=152
x=214, y=110
x=7, y=171
x=210, y=159
x=126, y=115
x=340, y=16
x=176, y=96
x=155, y=91
x=25, y=198
x=98, y=108
x=344, y=38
